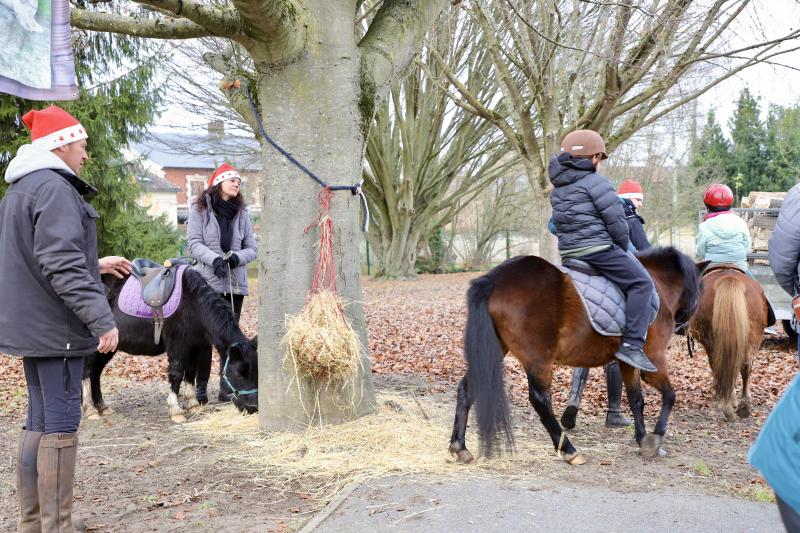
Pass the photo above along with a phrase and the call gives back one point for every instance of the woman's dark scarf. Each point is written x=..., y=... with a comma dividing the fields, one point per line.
x=225, y=211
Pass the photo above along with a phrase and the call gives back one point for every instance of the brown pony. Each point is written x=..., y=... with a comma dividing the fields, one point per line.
x=528, y=307
x=730, y=324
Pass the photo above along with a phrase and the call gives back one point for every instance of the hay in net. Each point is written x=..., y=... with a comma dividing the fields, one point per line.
x=320, y=341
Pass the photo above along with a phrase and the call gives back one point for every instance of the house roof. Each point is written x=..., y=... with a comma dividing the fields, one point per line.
x=152, y=183
x=193, y=150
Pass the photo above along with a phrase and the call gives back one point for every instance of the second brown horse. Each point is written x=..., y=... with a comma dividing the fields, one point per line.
x=529, y=308
x=730, y=324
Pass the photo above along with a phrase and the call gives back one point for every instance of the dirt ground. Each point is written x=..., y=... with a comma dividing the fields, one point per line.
x=140, y=472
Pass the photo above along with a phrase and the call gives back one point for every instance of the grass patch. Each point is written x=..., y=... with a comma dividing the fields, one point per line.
x=701, y=468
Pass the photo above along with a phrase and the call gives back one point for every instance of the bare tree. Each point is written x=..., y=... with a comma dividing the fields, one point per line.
x=315, y=86
x=501, y=211
x=615, y=67
x=427, y=158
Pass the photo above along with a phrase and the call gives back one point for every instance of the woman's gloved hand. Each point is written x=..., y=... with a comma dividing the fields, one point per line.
x=233, y=260
x=220, y=269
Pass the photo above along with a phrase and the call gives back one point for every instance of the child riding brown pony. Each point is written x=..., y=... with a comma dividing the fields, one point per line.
x=730, y=324
x=530, y=308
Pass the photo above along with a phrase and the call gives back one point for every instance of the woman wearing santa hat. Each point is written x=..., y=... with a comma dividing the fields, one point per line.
x=221, y=239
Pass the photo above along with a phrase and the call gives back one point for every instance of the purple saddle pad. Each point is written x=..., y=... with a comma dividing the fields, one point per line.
x=130, y=298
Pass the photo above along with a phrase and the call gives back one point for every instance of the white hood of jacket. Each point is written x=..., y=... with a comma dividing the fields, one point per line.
x=31, y=158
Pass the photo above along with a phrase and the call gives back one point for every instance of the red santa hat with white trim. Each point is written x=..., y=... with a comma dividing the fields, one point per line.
x=53, y=127
x=224, y=172
x=630, y=189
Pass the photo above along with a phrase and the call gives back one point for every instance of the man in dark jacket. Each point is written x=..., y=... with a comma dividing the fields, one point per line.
x=55, y=311
x=784, y=245
x=590, y=224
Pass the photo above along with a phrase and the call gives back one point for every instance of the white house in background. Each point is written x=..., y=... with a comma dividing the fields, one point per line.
x=158, y=196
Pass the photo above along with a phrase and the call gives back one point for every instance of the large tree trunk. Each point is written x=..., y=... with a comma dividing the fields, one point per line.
x=311, y=107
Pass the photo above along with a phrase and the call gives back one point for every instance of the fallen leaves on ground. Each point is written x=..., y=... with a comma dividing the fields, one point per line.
x=415, y=328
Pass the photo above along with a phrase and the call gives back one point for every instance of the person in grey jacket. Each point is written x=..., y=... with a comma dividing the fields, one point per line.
x=55, y=310
x=221, y=239
x=784, y=245
x=590, y=224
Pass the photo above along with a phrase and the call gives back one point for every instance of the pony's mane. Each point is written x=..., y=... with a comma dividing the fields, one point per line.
x=216, y=314
x=677, y=262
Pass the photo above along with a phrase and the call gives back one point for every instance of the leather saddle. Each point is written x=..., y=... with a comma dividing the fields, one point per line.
x=158, y=282
x=574, y=263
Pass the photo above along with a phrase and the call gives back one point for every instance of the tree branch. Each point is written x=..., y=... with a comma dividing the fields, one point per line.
x=149, y=28
x=391, y=42
x=278, y=29
x=218, y=20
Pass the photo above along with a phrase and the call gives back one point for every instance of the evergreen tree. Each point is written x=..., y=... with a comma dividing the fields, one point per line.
x=116, y=103
x=782, y=148
x=711, y=156
x=749, y=146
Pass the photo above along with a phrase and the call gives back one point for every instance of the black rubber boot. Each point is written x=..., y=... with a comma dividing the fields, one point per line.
x=635, y=357
x=614, y=418
x=579, y=377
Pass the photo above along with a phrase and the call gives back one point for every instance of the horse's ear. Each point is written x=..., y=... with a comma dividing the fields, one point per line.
x=254, y=341
x=235, y=351
x=701, y=267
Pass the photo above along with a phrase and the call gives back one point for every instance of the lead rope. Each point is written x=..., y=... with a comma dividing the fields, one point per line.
x=355, y=190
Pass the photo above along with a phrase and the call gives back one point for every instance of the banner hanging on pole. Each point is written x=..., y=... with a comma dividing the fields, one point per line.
x=36, y=59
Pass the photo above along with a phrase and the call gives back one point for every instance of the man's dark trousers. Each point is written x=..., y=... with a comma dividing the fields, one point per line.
x=624, y=270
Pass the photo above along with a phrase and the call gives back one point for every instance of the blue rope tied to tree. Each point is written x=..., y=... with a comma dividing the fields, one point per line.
x=355, y=190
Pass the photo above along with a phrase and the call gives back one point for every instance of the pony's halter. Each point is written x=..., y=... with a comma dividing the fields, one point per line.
x=235, y=393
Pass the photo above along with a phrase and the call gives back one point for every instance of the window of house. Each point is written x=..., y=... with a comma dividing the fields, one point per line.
x=195, y=185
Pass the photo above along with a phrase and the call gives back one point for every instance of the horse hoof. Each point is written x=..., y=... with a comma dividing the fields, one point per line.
x=465, y=457
x=743, y=411
x=650, y=445
x=178, y=419
x=575, y=459
x=106, y=411
x=568, y=418
x=93, y=416
x=195, y=408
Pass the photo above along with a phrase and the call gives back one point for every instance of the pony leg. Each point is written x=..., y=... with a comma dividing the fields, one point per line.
x=175, y=373
x=99, y=363
x=87, y=405
x=633, y=390
x=745, y=405
x=458, y=446
x=539, y=397
x=189, y=396
x=651, y=445
x=203, y=354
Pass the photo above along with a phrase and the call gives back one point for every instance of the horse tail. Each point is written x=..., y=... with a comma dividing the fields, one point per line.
x=485, y=368
x=730, y=328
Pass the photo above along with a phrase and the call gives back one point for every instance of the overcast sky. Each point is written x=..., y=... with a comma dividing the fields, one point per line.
x=765, y=19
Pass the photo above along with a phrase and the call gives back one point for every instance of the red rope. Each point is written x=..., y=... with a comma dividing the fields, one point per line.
x=325, y=274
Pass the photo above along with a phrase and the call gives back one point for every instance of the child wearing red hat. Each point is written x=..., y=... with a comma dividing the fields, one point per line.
x=723, y=237
x=630, y=192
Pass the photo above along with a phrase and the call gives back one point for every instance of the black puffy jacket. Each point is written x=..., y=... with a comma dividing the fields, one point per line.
x=586, y=208
x=636, y=226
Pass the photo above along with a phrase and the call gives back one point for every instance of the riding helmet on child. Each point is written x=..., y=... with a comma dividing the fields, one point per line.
x=584, y=143
x=718, y=197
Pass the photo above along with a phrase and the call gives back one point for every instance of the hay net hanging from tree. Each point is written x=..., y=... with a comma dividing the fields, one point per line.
x=320, y=340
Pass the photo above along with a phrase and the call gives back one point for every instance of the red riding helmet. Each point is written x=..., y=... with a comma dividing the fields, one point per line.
x=718, y=195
